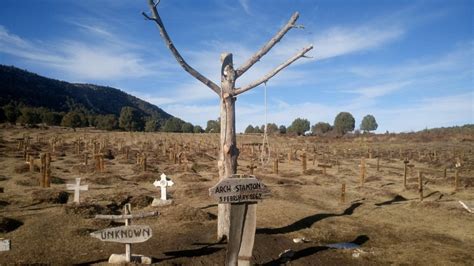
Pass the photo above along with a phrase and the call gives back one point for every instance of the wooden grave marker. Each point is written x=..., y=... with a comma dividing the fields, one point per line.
x=163, y=183
x=343, y=193
x=251, y=167
x=275, y=165
x=77, y=189
x=303, y=162
x=362, y=171
x=420, y=185
x=127, y=235
x=405, y=170
x=242, y=192
x=324, y=166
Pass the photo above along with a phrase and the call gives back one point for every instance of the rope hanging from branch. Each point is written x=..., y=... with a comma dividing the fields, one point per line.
x=265, y=153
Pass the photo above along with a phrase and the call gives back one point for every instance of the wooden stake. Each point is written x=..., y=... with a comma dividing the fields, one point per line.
x=420, y=185
x=275, y=166
x=456, y=178
x=378, y=164
x=343, y=193
x=303, y=162
x=42, y=169
x=362, y=171
x=405, y=171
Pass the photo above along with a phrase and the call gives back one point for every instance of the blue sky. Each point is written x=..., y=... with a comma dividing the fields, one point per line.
x=408, y=63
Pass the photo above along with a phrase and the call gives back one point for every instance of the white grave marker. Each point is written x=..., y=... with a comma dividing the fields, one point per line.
x=77, y=189
x=242, y=192
x=4, y=244
x=127, y=234
x=163, y=184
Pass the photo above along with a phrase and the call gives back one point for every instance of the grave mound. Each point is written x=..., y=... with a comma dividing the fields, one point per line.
x=27, y=182
x=108, y=180
x=197, y=167
x=192, y=177
x=87, y=210
x=188, y=213
x=9, y=224
x=50, y=196
x=144, y=177
x=4, y=203
x=141, y=201
x=22, y=168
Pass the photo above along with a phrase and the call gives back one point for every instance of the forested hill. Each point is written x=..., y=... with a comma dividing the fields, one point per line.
x=23, y=87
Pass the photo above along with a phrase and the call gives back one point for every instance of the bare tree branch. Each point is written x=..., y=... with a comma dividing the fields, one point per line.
x=272, y=73
x=260, y=53
x=156, y=18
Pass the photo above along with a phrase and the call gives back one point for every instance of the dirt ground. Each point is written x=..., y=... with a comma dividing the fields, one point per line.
x=387, y=220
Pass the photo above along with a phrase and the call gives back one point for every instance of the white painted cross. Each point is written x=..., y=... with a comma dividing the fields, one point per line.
x=77, y=189
x=163, y=183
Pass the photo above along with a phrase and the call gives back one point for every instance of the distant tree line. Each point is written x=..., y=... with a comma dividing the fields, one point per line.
x=130, y=119
x=343, y=124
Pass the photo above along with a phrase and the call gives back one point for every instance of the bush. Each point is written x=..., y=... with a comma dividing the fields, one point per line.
x=321, y=128
x=344, y=122
x=299, y=126
x=368, y=123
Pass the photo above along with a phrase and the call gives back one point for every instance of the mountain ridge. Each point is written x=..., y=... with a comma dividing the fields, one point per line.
x=24, y=87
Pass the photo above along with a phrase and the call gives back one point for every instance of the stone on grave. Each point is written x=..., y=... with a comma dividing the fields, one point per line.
x=163, y=184
x=5, y=244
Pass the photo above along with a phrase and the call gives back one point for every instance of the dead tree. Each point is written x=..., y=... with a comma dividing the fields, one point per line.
x=227, y=162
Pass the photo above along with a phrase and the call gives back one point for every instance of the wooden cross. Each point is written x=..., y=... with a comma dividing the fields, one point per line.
x=324, y=166
x=251, y=167
x=163, y=183
x=77, y=189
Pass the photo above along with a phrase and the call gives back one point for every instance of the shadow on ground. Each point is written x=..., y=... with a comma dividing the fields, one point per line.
x=306, y=222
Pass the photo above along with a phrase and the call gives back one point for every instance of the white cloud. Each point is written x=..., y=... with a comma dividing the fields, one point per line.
x=340, y=41
x=79, y=59
x=379, y=90
x=245, y=6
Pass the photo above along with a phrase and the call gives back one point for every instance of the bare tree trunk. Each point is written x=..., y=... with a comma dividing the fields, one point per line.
x=227, y=163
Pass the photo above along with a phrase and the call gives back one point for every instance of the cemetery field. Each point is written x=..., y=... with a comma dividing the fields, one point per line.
x=383, y=209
